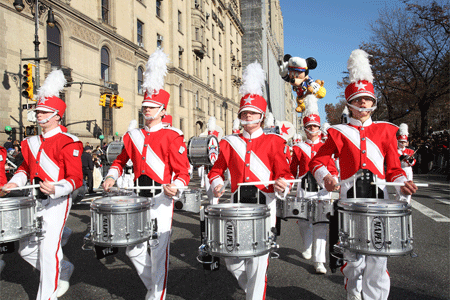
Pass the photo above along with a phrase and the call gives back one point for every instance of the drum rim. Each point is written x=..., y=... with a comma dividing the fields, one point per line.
x=237, y=210
x=372, y=204
x=16, y=202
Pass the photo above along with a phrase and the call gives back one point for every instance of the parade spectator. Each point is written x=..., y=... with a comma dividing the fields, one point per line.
x=8, y=144
x=88, y=168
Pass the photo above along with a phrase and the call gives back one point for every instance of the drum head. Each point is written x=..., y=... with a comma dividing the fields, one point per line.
x=237, y=210
x=368, y=204
x=16, y=202
x=120, y=203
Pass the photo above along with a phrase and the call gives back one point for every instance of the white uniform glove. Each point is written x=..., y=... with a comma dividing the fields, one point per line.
x=315, y=87
x=284, y=69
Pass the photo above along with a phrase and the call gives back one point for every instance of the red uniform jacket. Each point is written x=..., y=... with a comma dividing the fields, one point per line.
x=263, y=157
x=409, y=152
x=372, y=147
x=54, y=158
x=303, y=153
x=157, y=153
x=3, y=156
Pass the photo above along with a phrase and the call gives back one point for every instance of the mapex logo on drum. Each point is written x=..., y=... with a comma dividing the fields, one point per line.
x=378, y=238
x=105, y=228
x=230, y=242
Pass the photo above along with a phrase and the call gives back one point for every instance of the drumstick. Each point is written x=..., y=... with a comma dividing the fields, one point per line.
x=31, y=186
x=397, y=184
x=268, y=182
x=151, y=187
x=224, y=185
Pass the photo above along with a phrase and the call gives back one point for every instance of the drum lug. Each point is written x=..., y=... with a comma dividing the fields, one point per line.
x=39, y=231
x=87, y=245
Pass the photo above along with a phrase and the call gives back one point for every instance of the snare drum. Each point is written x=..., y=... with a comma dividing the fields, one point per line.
x=321, y=210
x=293, y=207
x=375, y=226
x=238, y=230
x=120, y=221
x=190, y=201
x=203, y=150
x=17, y=218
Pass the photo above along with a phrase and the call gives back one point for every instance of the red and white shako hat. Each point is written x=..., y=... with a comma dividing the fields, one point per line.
x=311, y=114
x=360, y=76
x=212, y=130
x=403, y=133
x=48, y=94
x=153, y=85
x=252, y=89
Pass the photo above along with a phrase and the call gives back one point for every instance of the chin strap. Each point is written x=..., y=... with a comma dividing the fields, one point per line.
x=361, y=108
x=313, y=133
x=252, y=122
x=48, y=119
x=157, y=113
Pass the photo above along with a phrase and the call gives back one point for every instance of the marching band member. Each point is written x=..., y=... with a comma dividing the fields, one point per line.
x=311, y=233
x=156, y=152
x=371, y=146
x=252, y=156
x=52, y=159
x=407, y=159
x=236, y=126
x=3, y=181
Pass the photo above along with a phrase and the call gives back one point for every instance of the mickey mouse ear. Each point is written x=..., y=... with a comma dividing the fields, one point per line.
x=311, y=62
x=286, y=57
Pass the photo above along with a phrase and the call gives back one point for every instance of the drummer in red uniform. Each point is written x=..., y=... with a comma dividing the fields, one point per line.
x=251, y=156
x=371, y=146
x=157, y=152
x=310, y=232
x=52, y=160
x=407, y=159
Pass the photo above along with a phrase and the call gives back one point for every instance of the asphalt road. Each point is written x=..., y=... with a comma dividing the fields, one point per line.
x=289, y=277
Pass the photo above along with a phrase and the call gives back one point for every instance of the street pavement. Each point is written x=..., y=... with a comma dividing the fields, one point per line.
x=289, y=277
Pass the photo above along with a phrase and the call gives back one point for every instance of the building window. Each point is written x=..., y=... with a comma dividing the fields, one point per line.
x=231, y=28
x=220, y=38
x=158, y=8
x=207, y=76
x=207, y=47
x=214, y=81
x=54, y=45
x=179, y=21
x=140, y=80
x=181, y=124
x=197, y=34
x=140, y=35
x=231, y=47
x=159, y=40
x=221, y=113
x=105, y=11
x=214, y=109
x=107, y=120
x=212, y=31
x=220, y=86
x=209, y=108
x=180, y=57
x=213, y=56
x=105, y=64
x=197, y=103
x=220, y=61
x=180, y=94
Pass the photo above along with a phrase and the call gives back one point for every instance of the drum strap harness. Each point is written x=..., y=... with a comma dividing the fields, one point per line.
x=249, y=194
x=309, y=183
x=144, y=180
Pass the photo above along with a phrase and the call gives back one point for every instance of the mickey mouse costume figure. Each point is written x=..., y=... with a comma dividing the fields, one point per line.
x=371, y=147
x=295, y=70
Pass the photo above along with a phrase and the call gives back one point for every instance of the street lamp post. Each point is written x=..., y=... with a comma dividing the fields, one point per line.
x=36, y=9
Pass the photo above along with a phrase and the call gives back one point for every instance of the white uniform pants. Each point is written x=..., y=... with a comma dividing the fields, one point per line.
x=153, y=268
x=251, y=272
x=367, y=275
x=45, y=254
x=314, y=238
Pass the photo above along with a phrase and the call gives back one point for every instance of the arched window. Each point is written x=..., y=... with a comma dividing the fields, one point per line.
x=140, y=80
x=105, y=64
x=54, y=45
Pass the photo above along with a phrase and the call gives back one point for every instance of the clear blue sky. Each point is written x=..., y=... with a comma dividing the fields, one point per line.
x=329, y=31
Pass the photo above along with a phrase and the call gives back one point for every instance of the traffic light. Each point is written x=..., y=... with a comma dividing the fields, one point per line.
x=97, y=131
x=30, y=130
x=113, y=101
x=88, y=126
x=27, y=84
x=119, y=102
x=102, y=100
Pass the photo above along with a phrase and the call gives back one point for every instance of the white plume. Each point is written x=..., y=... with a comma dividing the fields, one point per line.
x=358, y=66
x=253, y=80
x=212, y=124
x=156, y=70
x=403, y=130
x=311, y=105
x=269, y=122
x=236, y=124
x=133, y=125
x=325, y=127
x=53, y=84
x=345, y=110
